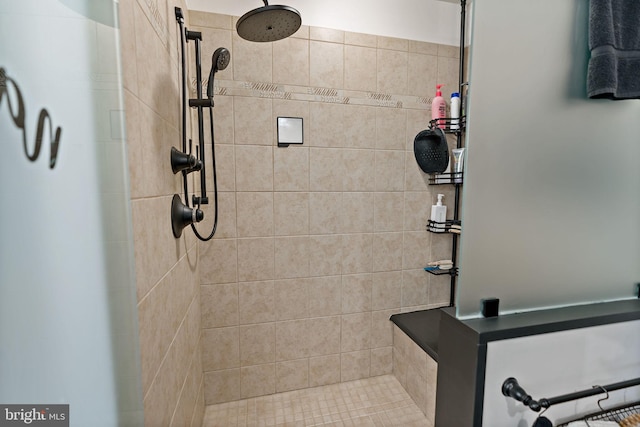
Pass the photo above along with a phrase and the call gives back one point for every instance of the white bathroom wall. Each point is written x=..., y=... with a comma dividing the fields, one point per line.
x=431, y=21
x=555, y=364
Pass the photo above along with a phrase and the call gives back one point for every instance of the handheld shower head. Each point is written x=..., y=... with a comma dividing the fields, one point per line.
x=219, y=61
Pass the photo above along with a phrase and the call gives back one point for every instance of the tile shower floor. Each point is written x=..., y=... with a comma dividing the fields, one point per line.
x=379, y=401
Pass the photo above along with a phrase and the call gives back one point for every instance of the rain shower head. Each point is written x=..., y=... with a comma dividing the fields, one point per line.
x=219, y=61
x=269, y=23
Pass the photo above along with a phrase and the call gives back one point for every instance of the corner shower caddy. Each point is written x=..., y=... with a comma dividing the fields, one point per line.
x=455, y=126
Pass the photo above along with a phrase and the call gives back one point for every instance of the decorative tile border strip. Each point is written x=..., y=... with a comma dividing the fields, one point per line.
x=316, y=94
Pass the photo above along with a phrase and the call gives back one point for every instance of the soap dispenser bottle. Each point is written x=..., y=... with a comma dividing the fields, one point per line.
x=438, y=215
x=439, y=107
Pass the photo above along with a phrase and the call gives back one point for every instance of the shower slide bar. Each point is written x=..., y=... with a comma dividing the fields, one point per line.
x=511, y=388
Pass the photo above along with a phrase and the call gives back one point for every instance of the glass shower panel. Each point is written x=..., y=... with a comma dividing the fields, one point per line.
x=551, y=199
x=68, y=319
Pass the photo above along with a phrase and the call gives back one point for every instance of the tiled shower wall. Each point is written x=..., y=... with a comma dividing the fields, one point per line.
x=166, y=268
x=318, y=244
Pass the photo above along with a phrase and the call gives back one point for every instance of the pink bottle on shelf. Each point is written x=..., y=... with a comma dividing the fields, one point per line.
x=439, y=107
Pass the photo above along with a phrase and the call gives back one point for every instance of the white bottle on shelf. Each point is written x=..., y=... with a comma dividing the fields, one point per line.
x=455, y=111
x=439, y=215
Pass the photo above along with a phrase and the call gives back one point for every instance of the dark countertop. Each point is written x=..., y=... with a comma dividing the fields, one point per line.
x=423, y=327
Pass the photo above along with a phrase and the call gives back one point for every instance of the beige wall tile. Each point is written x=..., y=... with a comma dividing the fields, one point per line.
x=326, y=169
x=257, y=380
x=291, y=169
x=448, y=69
x=256, y=302
x=382, y=328
x=252, y=62
x=254, y=168
x=357, y=214
x=156, y=139
x=389, y=170
x=326, y=64
x=392, y=67
x=361, y=129
x=448, y=51
x=253, y=123
x=291, y=214
x=292, y=375
x=359, y=167
x=423, y=47
x=387, y=290
x=391, y=125
x=212, y=20
x=220, y=348
x=417, y=210
x=387, y=211
x=441, y=246
x=255, y=214
x=356, y=332
x=393, y=43
x=219, y=305
x=325, y=255
x=257, y=344
x=227, y=215
x=223, y=114
x=189, y=399
x=439, y=290
x=324, y=370
x=356, y=293
x=417, y=389
x=417, y=121
x=255, y=259
x=326, y=34
x=360, y=39
x=160, y=315
x=292, y=298
x=156, y=82
x=325, y=210
x=291, y=62
x=360, y=68
x=354, y=365
x=327, y=124
x=416, y=252
x=357, y=253
x=325, y=296
x=292, y=340
x=221, y=386
x=134, y=145
x=415, y=179
x=387, y=251
x=381, y=361
x=324, y=335
x=415, y=288
x=219, y=261
x=291, y=257
x=128, y=47
x=225, y=167
x=423, y=75
x=400, y=367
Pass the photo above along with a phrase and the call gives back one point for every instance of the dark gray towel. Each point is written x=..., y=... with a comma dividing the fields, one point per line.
x=614, y=40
